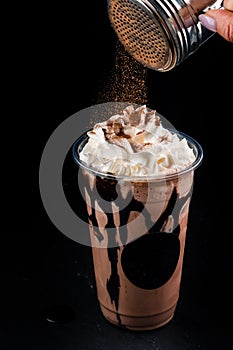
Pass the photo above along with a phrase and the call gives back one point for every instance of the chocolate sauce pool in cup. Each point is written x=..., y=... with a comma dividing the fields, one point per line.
x=138, y=227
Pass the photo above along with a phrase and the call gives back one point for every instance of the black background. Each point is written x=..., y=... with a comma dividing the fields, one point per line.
x=57, y=60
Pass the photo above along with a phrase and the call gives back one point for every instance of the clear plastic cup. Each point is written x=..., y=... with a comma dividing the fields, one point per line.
x=138, y=229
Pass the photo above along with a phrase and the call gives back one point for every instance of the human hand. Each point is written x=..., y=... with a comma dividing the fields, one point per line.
x=220, y=21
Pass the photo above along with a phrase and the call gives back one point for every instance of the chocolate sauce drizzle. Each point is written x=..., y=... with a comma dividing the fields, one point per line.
x=175, y=204
x=150, y=261
x=108, y=192
x=113, y=283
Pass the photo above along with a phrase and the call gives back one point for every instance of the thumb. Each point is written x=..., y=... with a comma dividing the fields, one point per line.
x=220, y=21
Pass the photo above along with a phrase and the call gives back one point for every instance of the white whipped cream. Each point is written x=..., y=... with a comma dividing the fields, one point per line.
x=135, y=144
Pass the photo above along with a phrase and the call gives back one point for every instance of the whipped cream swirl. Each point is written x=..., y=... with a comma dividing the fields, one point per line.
x=135, y=143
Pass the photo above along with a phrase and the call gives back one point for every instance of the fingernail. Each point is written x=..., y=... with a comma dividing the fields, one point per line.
x=208, y=22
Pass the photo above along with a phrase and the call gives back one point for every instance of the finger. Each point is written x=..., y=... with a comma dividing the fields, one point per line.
x=220, y=21
x=228, y=4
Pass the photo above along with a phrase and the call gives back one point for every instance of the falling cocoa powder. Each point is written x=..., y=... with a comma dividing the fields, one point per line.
x=126, y=82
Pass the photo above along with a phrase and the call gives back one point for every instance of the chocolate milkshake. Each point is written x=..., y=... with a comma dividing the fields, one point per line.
x=137, y=179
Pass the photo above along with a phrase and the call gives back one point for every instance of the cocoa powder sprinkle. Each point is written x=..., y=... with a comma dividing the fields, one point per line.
x=126, y=82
